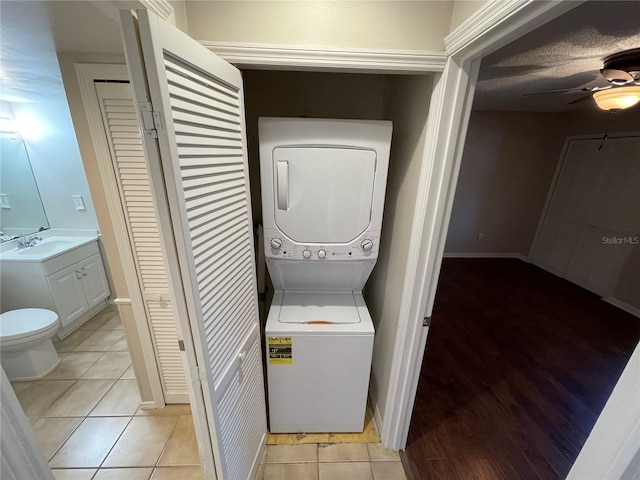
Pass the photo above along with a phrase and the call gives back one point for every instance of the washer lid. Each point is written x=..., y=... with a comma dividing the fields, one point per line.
x=26, y=322
x=319, y=308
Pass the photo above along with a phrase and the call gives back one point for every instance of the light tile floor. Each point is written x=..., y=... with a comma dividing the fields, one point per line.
x=341, y=461
x=87, y=420
x=86, y=417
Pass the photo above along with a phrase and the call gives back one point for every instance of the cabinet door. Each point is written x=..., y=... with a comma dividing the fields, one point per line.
x=94, y=280
x=68, y=294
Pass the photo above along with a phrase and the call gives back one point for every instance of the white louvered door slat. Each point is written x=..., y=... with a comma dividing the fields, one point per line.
x=201, y=150
x=132, y=175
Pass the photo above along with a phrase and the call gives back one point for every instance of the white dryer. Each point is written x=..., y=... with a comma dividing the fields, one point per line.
x=323, y=185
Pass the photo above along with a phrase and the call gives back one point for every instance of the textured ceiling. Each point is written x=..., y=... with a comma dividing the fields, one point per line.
x=564, y=53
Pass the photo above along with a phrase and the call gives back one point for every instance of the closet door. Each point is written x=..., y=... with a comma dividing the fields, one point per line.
x=593, y=219
x=572, y=198
x=132, y=175
x=191, y=103
x=612, y=222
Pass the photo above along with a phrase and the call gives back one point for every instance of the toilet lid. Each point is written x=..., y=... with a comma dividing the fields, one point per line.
x=25, y=322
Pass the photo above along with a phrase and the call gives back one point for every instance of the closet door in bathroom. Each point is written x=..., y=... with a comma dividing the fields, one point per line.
x=132, y=175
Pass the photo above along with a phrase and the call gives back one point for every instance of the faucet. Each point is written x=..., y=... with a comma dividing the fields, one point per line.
x=28, y=241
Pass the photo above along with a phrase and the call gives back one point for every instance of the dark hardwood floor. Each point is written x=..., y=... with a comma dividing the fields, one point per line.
x=518, y=366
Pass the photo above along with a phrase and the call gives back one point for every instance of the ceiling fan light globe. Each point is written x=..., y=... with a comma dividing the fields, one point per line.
x=617, y=98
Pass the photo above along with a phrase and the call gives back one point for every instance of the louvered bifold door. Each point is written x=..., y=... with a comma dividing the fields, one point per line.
x=198, y=118
x=132, y=175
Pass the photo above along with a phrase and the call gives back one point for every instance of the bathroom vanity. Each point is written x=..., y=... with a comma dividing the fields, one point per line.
x=63, y=274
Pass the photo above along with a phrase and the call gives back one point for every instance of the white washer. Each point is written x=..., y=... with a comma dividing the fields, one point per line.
x=323, y=185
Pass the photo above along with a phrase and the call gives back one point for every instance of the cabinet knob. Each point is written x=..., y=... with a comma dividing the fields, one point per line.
x=84, y=271
x=78, y=275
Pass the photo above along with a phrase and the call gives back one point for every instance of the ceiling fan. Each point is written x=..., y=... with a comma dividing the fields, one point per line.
x=622, y=71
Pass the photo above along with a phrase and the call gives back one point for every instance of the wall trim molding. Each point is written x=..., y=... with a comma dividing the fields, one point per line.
x=290, y=57
x=162, y=8
x=488, y=25
x=519, y=256
x=623, y=306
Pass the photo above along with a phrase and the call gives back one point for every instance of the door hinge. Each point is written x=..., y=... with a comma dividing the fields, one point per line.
x=151, y=119
x=426, y=322
x=181, y=345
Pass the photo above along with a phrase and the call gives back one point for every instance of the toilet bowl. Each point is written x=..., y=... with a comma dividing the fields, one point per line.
x=26, y=349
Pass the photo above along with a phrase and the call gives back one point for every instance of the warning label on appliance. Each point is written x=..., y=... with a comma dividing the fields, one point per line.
x=280, y=350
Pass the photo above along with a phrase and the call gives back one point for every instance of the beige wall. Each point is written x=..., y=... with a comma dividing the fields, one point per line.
x=180, y=14
x=407, y=105
x=463, y=10
x=507, y=166
x=335, y=25
x=89, y=159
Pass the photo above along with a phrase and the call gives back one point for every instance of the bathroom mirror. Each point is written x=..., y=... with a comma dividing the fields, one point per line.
x=21, y=209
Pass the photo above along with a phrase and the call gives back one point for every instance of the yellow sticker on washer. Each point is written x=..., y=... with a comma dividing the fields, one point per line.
x=280, y=350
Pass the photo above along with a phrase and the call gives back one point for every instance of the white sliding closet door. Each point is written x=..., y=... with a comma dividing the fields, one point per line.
x=593, y=220
x=132, y=175
x=191, y=102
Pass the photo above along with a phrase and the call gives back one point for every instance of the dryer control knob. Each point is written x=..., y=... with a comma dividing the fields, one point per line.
x=322, y=254
x=306, y=254
x=276, y=243
x=366, y=245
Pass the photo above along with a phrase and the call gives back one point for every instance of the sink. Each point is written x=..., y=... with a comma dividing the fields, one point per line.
x=47, y=247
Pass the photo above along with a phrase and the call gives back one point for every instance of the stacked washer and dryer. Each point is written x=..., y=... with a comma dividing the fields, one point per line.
x=323, y=187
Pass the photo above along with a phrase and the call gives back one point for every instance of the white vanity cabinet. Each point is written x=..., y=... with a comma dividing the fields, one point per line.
x=72, y=283
x=78, y=288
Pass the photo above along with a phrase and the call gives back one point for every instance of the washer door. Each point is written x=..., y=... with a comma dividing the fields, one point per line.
x=323, y=195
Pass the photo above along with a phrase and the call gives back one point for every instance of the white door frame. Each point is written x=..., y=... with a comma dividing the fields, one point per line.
x=493, y=26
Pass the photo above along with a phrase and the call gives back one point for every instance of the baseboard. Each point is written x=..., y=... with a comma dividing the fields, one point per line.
x=623, y=306
x=149, y=405
x=488, y=255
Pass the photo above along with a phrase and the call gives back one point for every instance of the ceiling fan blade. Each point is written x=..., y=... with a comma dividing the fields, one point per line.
x=558, y=91
x=617, y=77
x=584, y=98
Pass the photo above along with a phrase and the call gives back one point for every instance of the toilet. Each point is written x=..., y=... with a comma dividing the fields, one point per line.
x=26, y=349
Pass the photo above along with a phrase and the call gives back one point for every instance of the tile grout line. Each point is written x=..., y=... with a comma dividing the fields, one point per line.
x=114, y=444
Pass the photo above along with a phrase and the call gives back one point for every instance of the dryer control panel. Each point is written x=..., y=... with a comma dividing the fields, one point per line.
x=279, y=246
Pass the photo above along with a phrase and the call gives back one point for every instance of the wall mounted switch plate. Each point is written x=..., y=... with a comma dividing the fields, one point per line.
x=78, y=201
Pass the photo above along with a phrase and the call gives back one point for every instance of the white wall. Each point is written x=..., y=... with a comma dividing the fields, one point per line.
x=407, y=105
x=326, y=24
x=57, y=165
